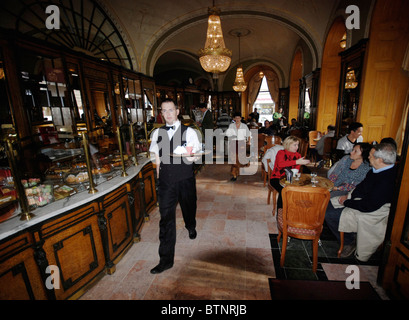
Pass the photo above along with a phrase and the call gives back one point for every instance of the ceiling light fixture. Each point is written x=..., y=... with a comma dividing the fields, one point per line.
x=239, y=84
x=215, y=57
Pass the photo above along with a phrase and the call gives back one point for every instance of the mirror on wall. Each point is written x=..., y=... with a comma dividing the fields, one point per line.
x=349, y=89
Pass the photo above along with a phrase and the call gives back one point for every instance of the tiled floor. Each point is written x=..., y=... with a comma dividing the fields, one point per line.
x=231, y=258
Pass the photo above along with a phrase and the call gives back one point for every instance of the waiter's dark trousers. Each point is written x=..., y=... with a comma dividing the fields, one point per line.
x=169, y=194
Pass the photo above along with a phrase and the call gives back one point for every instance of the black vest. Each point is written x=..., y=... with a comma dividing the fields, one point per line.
x=173, y=169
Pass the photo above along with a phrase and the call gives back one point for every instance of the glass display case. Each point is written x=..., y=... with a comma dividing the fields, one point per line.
x=67, y=169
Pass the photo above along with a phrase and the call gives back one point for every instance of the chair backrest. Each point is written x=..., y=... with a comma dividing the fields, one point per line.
x=260, y=140
x=329, y=145
x=303, y=148
x=269, y=157
x=268, y=142
x=304, y=207
x=297, y=132
x=276, y=140
x=272, y=141
x=311, y=136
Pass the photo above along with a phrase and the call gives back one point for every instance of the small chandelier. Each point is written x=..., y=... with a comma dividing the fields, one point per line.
x=239, y=84
x=215, y=57
x=351, y=82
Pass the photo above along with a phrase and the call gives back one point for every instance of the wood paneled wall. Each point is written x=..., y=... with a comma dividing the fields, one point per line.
x=329, y=80
x=385, y=84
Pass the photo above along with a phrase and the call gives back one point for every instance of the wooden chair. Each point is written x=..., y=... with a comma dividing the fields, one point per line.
x=312, y=144
x=271, y=190
x=271, y=141
x=341, y=243
x=268, y=142
x=302, y=217
x=328, y=152
x=311, y=136
x=264, y=174
x=276, y=140
x=298, y=133
x=303, y=148
x=261, y=141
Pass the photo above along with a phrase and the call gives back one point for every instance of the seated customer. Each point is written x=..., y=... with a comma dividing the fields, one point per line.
x=267, y=129
x=319, y=147
x=366, y=212
x=346, y=143
x=287, y=158
x=350, y=170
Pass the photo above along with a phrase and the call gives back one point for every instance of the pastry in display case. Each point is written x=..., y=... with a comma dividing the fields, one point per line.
x=38, y=195
x=56, y=173
x=61, y=174
x=8, y=195
x=115, y=160
x=64, y=191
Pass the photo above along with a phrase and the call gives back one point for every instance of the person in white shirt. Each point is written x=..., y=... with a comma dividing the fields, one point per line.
x=347, y=143
x=177, y=183
x=239, y=135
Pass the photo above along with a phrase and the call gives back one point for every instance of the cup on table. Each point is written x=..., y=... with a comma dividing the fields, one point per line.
x=295, y=173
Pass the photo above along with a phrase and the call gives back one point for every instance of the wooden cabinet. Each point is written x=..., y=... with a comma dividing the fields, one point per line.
x=148, y=177
x=136, y=200
x=73, y=243
x=117, y=228
x=80, y=244
x=19, y=274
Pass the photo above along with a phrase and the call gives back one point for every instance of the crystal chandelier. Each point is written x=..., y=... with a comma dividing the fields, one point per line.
x=239, y=84
x=215, y=57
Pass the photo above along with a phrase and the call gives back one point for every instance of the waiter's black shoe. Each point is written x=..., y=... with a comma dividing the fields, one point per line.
x=192, y=233
x=161, y=267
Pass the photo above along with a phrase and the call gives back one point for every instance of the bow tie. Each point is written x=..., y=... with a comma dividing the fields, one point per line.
x=167, y=128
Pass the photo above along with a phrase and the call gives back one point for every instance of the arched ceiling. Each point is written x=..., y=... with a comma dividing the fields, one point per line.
x=166, y=35
x=161, y=38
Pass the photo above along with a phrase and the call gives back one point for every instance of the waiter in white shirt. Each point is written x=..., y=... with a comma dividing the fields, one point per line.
x=240, y=134
x=177, y=181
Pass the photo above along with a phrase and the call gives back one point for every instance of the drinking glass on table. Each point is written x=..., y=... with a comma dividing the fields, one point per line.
x=313, y=181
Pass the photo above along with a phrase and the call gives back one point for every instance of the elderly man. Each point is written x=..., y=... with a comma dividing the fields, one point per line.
x=365, y=211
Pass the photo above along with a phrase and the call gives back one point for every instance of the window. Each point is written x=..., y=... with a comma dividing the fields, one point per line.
x=264, y=104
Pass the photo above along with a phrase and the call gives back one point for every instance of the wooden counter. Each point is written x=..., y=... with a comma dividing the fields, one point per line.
x=82, y=237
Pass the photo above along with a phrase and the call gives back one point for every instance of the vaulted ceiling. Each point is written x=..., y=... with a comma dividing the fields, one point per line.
x=161, y=38
x=165, y=36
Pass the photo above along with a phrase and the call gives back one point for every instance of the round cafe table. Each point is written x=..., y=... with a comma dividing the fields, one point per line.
x=305, y=181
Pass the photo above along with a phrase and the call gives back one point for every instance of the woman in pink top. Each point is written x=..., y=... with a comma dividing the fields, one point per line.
x=287, y=158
